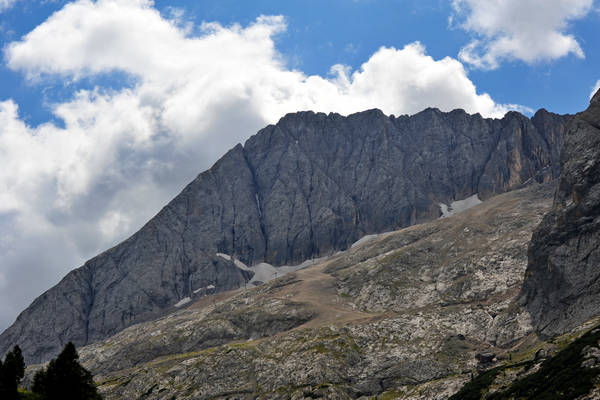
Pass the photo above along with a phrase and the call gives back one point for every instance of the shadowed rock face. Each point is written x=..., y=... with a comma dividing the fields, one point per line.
x=563, y=279
x=306, y=187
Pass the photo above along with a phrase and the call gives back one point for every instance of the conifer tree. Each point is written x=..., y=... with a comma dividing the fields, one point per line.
x=11, y=373
x=65, y=379
x=2, y=389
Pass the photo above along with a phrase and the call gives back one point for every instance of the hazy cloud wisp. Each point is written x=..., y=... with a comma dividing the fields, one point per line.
x=6, y=4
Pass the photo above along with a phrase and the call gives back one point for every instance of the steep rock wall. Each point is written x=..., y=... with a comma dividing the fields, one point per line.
x=306, y=187
x=562, y=288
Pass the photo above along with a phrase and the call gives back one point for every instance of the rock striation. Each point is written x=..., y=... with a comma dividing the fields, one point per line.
x=563, y=280
x=306, y=187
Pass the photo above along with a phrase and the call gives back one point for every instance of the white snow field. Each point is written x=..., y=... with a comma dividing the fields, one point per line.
x=459, y=205
x=183, y=301
x=265, y=272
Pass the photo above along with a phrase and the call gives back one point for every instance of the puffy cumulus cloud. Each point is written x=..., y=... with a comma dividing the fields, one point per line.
x=67, y=192
x=526, y=30
x=182, y=75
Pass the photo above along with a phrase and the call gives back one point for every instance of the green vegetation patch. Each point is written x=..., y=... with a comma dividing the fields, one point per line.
x=560, y=377
x=27, y=395
x=477, y=387
x=389, y=395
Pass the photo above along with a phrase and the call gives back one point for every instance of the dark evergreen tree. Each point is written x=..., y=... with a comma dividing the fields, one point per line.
x=39, y=380
x=11, y=373
x=15, y=363
x=2, y=389
x=65, y=379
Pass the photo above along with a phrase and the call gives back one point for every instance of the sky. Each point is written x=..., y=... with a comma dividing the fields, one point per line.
x=109, y=107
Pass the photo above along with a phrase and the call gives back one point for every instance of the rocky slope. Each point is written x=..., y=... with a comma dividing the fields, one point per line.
x=306, y=187
x=563, y=279
x=406, y=314
x=567, y=368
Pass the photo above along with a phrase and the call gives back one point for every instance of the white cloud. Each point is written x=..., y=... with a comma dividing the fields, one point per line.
x=595, y=89
x=6, y=4
x=526, y=30
x=69, y=192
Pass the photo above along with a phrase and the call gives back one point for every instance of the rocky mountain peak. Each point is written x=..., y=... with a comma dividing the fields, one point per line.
x=596, y=98
x=307, y=187
x=563, y=282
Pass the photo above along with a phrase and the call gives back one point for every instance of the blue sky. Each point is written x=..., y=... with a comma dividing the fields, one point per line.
x=109, y=107
x=323, y=33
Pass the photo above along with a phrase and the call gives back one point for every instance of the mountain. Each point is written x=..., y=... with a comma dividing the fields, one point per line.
x=306, y=187
x=562, y=288
x=407, y=314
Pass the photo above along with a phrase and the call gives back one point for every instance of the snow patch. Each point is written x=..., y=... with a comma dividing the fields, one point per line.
x=209, y=287
x=459, y=205
x=183, y=301
x=264, y=272
x=365, y=239
x=241, y=265
x=237, y=263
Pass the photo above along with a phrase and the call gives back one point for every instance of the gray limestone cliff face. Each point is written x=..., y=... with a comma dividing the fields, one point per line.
x=306, y=187
x=562, y=287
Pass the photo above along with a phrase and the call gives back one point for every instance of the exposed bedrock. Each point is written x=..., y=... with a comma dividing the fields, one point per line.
x=562, y=286
x=306, y=187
